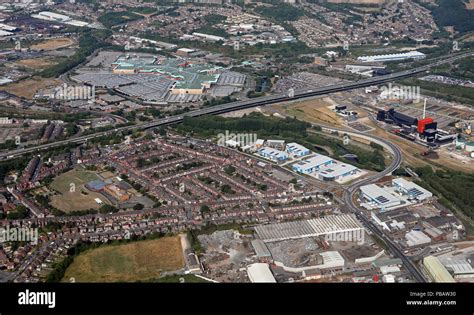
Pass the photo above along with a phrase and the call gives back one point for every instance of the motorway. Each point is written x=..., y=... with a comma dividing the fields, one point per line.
x=229, y=107
x=349, y=191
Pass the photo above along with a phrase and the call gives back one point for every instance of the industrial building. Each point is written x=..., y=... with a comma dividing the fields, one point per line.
x=411, y=189
x=436, y=270
x=417, y=238
x=261, y=250
x=272, y=154
x=402, y=192
x=331, y=226
x=59, y=18
x=312, y=164
x=337, y=171
x=260, y=273
x=459, y=263
x=212, y=38
x=424, y=131
x=277, y=144
x=415, y=55
x=297, y=149
x=379, y=197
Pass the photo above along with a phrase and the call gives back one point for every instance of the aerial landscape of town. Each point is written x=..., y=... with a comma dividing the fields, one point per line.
x=236, y=141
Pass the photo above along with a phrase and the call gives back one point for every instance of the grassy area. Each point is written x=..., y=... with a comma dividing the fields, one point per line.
x=130, y=262
x=53, y=44
x=27, y=88
x=78, y=200
x=77, y=177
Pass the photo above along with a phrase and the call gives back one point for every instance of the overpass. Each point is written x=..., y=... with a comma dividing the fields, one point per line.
x=229, y=107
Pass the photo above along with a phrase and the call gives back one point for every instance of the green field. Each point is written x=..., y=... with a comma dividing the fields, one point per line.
x=130, y=262
x=68, y=201
x=62, y=183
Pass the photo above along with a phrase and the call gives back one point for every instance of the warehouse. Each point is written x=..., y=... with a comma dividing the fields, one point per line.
x=260, y=273
x=51, y=16
x=261, y=249
x=459, y=266
x=417, y=238
x=415, y=55
x=378, y=197
x=436, y=270
x=272, y=154
x=277, y=144
x=312, y=164
x=331, y=226
x=337, y=171
x=212, y=38
x=411, y=189
x=296, y=149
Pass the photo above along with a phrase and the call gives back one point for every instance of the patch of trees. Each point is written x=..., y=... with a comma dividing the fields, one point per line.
x=453, y=13
x=20, y=212
x=454, y=189
x=11, y=165
x=88, y=43
x=281, y=12
x=110, y=19
x=254, y=122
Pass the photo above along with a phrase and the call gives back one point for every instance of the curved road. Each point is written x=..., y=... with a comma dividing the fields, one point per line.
x=229, y=107
x=351, y=190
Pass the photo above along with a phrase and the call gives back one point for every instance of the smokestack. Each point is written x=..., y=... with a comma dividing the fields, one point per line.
x=424, y=110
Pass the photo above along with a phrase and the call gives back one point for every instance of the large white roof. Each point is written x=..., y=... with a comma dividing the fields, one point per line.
x=308, y=228
x=379, y=195
x=260, y=272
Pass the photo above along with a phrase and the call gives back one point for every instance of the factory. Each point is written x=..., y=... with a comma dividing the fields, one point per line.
x=436, y=270
x=325, y=168
x=401, y=193
x=378, y=197
x=272, y=154
x=460, y=263
x=337, y=172
x=331, y=226
x=59, y=18
x=411, y=55
x=417, y=238
x=411, y=189
x=207, y=37
x=312, y=164
x=296, y=149
x=424, y=131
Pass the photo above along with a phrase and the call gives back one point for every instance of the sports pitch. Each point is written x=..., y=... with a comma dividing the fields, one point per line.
x=75, y=200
